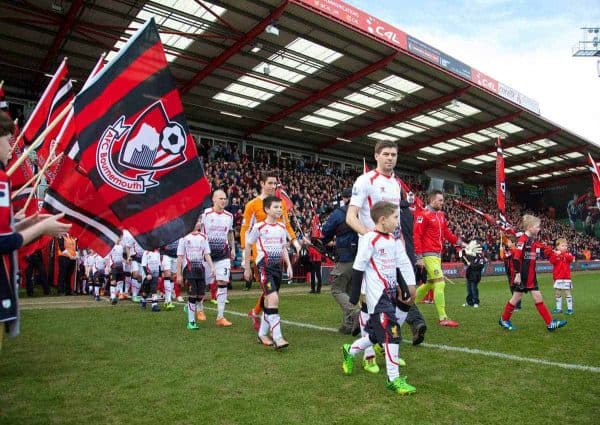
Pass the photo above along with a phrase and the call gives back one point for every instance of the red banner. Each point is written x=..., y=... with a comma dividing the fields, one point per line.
x=358, y=19
x=484, y=80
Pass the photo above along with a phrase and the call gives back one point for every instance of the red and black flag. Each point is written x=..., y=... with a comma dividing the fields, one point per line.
x=411, y=198
x=500, y=182
x=55, y=98
x=282, y=194
x=134, y=144
x=93, y=223
x=595, y=179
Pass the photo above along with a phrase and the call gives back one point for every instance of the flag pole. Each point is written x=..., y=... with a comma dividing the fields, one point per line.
x=34, y=178
x=40, y=139
x=38, y=180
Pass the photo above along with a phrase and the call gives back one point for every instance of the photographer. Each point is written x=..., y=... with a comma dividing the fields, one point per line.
x=346, y=242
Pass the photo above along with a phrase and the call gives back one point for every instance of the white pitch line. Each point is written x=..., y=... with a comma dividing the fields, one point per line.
x=444, y=347
x=457, y=349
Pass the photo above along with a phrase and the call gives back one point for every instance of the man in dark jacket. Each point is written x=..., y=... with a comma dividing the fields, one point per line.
x=415, y=318
x=346, y=242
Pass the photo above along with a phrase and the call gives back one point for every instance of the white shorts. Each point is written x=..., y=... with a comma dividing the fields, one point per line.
x=168, y=264
x=563, y=284
x=222, y=271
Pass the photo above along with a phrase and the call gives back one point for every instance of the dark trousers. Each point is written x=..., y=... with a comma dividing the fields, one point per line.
x=315, y=276
x=36, y=273
x=473, y=291
x=66, y=267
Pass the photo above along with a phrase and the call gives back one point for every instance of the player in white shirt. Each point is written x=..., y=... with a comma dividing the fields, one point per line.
x=193, y=249
x=88, y=266
x=151, y=265
x=169, y=271
x=377, y=274
x=377, y=185
x=217, y=225
x=270, y=238
x=117, y=259
x=132, y=268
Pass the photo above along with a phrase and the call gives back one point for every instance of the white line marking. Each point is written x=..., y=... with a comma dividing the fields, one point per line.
x=458, y=349
x=444, y=347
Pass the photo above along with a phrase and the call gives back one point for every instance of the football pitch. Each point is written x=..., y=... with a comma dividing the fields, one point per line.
x=78, y=361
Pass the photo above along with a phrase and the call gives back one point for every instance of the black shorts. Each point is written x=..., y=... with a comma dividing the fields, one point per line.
x=384, y=328
x=521, y=287
x=270, y=277
x=99, y=278
x=149, y=285
x=117, y=274
x=197, y=287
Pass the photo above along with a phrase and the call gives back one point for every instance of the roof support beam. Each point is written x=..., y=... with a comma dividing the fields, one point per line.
x=64, y=28
x=461, y=132
x=559, y=180
x=399, y=116
x=492, y=149
x=234, y=48
x=541, y=170
x=524, y=158
x=324, y=93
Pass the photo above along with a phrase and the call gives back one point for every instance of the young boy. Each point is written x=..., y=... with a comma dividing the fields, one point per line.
x=194, y=249
x=561, y=259
x=475, y=263
x=376, y=273
x=270, y=237
x=525, y=277
x=151, y=266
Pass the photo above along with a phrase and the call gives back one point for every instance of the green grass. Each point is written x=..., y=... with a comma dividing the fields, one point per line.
x=114, y=365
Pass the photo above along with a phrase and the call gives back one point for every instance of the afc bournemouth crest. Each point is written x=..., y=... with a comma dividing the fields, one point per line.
x=129, y=155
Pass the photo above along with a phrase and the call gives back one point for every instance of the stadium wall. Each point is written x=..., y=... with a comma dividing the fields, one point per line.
x=496, y=268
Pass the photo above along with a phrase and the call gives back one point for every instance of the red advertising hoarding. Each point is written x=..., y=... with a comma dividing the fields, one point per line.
x=359, y=20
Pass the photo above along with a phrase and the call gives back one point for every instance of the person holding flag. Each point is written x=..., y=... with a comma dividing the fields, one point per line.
x=15, y=235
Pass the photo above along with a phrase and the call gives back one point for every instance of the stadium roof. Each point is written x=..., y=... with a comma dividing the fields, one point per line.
x=319, y=75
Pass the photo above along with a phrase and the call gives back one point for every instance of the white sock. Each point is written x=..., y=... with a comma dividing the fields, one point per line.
x=154, y=300
x=391, y=360
x=113, y=292
x=264, y=325
x=120, y=287
x=135, y=287
x=361, y=344
x=363, y=319
x=558, y=303
x=569, y=303
x=275, y=324
x=191, y=312
x=221, y=299
x=401, y=316
x=168, y=290
x=200, y=304
x=127, y=284
x=97, y=291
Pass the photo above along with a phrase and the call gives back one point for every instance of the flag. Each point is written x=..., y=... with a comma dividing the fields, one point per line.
x=22, y=174
x=55, y=98
x=65, y=137
x=505, y=226
x=134, y=144
x=595, y=179
x=500, y=182
x=93, y=223
x=416, y=201
x=315, y=227
x=281, y=194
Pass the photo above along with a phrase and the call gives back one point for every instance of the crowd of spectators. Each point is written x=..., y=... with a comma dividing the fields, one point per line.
x=314, y=188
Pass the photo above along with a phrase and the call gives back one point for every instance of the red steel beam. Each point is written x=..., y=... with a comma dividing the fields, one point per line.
x=219, y=18
x=323, y=93
x=236, y=47
x=505, y=145
x=399, y=116
x=63, y=30
x=459, y=133
x=541, y=170
x=524, y=158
